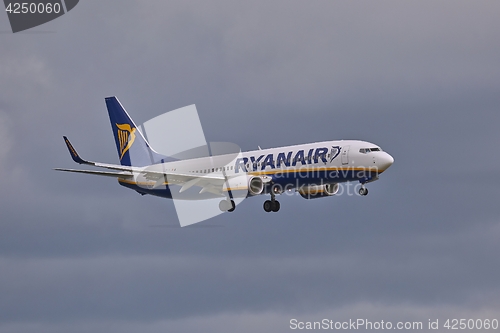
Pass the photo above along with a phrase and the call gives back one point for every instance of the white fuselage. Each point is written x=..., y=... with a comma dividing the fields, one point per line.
x=289, y=167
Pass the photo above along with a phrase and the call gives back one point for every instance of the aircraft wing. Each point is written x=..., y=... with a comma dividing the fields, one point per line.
x=211, y=183
x=122, y=174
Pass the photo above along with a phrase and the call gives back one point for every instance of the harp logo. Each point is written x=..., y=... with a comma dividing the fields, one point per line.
x=126, y=137
x=335, y=152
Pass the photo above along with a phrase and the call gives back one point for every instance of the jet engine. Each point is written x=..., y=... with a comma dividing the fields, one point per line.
x=319, y=191
x=255, y=185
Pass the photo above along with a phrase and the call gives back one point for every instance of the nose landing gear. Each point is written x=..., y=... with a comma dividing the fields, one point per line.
x=363, y=191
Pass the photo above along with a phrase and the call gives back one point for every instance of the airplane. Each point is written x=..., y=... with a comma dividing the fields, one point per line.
x=314, y=170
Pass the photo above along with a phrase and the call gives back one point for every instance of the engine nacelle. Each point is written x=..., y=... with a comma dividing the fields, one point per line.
x=245, y=185
x=255, y=185
x=319, y=191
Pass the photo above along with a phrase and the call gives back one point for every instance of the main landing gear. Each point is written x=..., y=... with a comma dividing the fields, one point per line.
x=272, y=205
x=227, y=205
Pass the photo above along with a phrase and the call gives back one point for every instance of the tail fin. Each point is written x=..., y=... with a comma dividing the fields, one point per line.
x=133, y=149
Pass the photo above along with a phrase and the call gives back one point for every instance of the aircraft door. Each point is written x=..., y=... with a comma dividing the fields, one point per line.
x=345, y=155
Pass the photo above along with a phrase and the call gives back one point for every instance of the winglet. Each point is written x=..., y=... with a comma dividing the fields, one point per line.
x=74, y=154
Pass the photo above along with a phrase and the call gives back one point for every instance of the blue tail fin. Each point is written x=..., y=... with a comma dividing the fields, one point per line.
x=133, y=149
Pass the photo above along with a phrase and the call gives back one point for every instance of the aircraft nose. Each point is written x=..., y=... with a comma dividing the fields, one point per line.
x=386, y=161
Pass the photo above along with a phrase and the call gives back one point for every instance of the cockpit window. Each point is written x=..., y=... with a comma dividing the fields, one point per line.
x=367, y=150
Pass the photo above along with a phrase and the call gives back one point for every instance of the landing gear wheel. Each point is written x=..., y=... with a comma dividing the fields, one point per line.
x=276, y=206
x=363, y=191
x=227, y=205
x=268, y=206
x=233, y=205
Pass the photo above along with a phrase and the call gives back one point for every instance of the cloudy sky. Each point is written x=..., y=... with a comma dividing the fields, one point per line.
x=421, y=79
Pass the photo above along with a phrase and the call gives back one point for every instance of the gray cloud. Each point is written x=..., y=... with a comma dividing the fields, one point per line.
x=421, y=79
